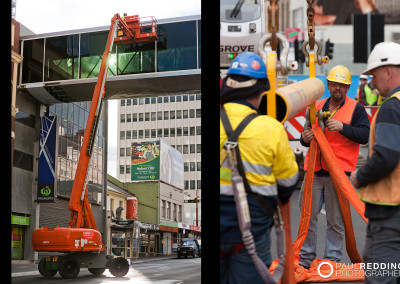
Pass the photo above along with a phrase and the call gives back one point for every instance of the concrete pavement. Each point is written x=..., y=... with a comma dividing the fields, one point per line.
x=29, y=268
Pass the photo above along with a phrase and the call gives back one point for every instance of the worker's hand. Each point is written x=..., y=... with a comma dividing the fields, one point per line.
x=353, y=179
x=334, y=125
x=307, y=135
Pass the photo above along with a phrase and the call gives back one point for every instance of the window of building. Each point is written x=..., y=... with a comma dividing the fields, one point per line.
x=121, y=152
x=192, y=166
x=198, y=97
x=199, y=184
x=168, y=210
x=147, y=133
x=147, y=101
x=185, y=98
x=141, y=101
x=135, y=101
x=178, y=114
x=199, y=166
x=191, y=98
x=128, y=134
x=191, y=113
x=174, y=213
x=153, y=133
x=153, y=116
x=122, y=102
x=198, y=150
x=163, y=208
x=186, y=184
x=128, y=102
x=192, y=131
x=166, y=132
x=186, y=166
x=134, y=134
x=185, y=149
x=159, y=115
x=185, y=113
x=166, y=115
x=179, y=148
x=172, y=132
x=172, y=114
x=185, y=131
x=121, y=170
x=198, y=113
x=172, y=99
x=128, y=152
x=153, y=100
x=122, y=135
x=140, y=116
x=159, y=100
x=147, y=116
x=140, y=134
x=122, y=118
x=192, y=184
x=198, y=130
x=166, y=99
x=192, y=148
x=179, y=131
x=159, y=132
x=178, y=98
x=128, y=169
x=134, y=117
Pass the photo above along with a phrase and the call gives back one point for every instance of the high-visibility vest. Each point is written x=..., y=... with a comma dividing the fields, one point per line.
x=385, y=191
x=267, y=157
x=346, y=150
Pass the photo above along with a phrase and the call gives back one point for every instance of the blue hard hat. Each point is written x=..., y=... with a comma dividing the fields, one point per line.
x=248, y=64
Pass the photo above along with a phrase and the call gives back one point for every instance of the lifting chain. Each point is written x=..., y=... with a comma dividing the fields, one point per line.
x=310, y=23
x=273, y=23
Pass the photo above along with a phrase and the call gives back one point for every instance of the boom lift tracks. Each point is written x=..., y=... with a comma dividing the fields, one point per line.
x=81, y=242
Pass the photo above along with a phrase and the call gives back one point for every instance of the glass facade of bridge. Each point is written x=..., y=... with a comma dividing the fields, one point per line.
x=78, y=56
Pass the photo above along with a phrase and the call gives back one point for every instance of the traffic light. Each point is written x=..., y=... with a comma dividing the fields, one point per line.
x=329, y=49
x=298, y=53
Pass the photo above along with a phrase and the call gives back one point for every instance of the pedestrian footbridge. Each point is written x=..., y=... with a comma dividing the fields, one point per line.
x=63, y=66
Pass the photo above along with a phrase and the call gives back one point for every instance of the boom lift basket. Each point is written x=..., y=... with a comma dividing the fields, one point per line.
x=133, y=29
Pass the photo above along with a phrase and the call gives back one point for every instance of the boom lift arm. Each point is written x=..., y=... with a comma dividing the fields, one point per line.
x=81, y=241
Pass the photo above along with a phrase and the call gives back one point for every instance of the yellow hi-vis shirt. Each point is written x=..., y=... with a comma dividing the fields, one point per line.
x=267, y=157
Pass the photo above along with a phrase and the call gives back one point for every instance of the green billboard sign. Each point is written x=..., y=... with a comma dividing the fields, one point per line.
x=19, y=220
x=145, y=161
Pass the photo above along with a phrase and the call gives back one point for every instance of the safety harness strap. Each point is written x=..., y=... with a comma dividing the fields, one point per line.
x=233, y=137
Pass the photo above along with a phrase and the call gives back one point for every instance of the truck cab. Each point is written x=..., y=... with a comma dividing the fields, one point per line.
x=189, y=247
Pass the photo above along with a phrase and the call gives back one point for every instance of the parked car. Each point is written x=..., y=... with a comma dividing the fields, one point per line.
x=189, y=247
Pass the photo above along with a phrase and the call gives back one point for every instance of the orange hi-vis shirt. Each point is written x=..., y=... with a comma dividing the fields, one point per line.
x=346, y=150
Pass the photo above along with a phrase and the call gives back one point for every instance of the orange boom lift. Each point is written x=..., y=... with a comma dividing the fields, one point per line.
x=81, y=242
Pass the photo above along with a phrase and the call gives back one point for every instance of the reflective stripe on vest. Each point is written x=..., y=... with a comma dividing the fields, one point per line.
x=346, y=151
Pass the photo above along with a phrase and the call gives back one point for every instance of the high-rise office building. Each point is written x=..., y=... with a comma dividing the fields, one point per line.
x=175, y=119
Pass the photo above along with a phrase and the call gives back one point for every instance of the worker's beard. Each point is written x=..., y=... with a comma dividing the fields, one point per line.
x=337, y=96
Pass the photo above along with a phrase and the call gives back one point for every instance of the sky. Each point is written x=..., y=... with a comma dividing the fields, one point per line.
x=47, y=16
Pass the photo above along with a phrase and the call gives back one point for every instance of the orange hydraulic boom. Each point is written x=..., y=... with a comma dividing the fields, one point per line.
x=82, y=234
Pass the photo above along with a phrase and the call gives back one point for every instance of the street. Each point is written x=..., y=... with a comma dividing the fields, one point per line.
x=160, y=271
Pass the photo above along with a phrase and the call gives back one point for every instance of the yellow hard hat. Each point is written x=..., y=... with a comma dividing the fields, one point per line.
x=339, y=74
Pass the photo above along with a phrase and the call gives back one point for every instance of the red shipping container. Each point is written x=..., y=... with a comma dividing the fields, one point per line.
x=131, y=208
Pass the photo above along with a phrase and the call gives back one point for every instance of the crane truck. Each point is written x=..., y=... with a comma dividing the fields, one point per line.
x=81, y=243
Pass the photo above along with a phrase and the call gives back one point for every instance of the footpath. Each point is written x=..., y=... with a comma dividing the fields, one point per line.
x=21, y=268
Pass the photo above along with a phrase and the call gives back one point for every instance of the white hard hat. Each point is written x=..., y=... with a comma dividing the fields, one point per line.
x=364, y=77
x=384, y=53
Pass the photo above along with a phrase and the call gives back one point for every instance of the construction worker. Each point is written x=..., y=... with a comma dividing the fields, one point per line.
x=269, y=165
x=379, y=178
x=360, y=92
x=346, y=128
